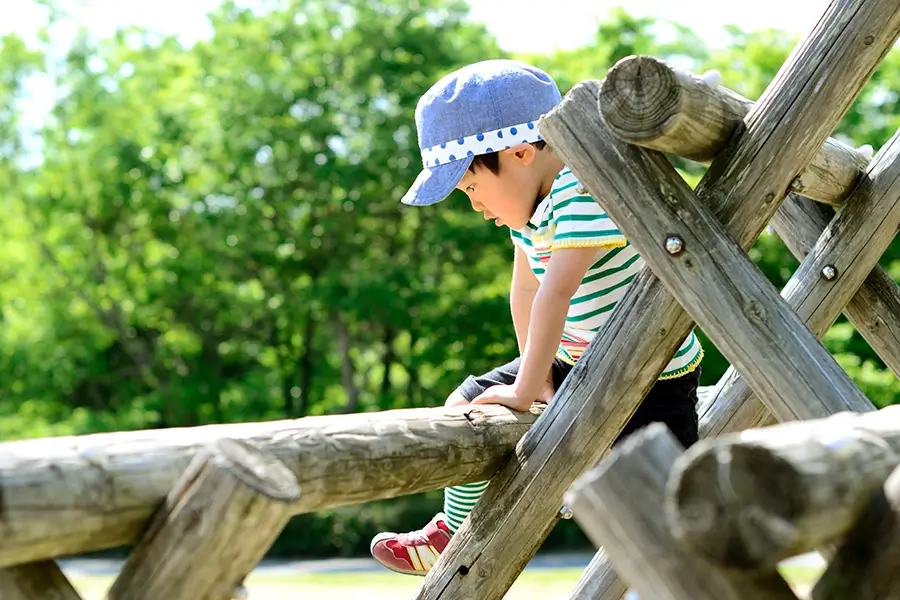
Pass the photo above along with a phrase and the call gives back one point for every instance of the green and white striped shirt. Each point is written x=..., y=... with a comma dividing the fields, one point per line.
x=569, y=219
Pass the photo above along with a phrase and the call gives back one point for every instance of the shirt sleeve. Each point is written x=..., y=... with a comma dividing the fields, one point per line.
x=579, y=221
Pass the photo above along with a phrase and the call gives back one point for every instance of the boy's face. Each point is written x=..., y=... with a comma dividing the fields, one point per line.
x=509, y=196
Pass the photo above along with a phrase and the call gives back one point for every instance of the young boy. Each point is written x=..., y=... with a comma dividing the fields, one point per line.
x=478, y=132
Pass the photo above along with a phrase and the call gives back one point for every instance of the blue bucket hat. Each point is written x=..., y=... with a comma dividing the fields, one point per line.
x=482, y=108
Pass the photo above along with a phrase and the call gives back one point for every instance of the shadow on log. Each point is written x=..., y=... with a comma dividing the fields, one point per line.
x=42, y=580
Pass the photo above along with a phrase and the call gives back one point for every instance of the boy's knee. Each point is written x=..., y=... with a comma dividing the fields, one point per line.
x=456, y=399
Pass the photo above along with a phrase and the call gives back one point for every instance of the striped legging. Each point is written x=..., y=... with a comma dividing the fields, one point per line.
x=460, y=500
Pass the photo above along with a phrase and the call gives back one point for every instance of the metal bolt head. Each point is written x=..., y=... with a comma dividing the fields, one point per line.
x=674, y=245
x=829, y=272
x=566, y=513
x=581, y=190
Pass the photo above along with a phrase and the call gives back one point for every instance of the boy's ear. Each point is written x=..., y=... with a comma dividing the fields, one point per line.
x=524, y=153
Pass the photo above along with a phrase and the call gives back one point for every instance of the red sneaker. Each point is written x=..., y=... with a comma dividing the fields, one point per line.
x=412, y=553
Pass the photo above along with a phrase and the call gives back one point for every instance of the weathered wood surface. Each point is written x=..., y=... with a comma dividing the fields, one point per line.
x=851, y=245
x=41, y=580
x=865, y=565
x=619, y=504
x=215, y=526
x=646, y=102
x=712, y=277
x=599, y=581
x=77, y=494
x=745, y=185
x=751, y=499
x=875, y=309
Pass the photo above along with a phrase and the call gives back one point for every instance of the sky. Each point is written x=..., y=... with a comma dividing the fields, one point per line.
x=519, y=25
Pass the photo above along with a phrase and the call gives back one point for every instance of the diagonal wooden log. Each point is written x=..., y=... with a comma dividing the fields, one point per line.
x=848, y=249
x=216, y=524
x=850, y=244
x=745, y=185
x=42, y=580
x=71, y=495
x=620, y=503
x=646, y=102
x=875, y=309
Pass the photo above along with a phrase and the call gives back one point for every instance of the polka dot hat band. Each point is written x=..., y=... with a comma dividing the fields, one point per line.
x=481, y=143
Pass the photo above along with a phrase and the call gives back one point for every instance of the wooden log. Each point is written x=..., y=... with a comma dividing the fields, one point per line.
x=646, y=102
x=215, y=526
x=70, y=495
x=785, y=128
x=848, y=249
x=875, y=309
x=865, y=566
x=751, y=499
x=42, y=580
x=599, y=581
x=712, y=277
x=619, y=504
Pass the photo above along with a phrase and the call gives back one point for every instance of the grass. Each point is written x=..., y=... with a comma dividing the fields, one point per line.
x=547, y=584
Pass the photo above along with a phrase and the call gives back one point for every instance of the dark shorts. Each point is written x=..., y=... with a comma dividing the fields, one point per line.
x=670, y=401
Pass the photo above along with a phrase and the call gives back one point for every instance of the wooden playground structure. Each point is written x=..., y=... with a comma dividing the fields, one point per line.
x=203, y=505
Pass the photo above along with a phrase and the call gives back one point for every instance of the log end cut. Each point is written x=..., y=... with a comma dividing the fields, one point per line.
x=730, y=505
x=639, y=97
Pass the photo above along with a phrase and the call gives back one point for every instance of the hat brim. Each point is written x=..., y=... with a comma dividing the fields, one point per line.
x=436, y=183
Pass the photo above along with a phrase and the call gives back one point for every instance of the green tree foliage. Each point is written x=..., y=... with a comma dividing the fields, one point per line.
x=212, y=233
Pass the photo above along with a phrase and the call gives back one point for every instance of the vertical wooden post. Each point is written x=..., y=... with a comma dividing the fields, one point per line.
x=42, y=580
x=214, y=528
x=620, y=505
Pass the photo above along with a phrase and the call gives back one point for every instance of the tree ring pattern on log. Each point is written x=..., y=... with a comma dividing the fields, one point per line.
x=646, y=93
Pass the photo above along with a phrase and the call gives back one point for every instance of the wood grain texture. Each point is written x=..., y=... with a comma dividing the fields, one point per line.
x=599, y=581
x=751, y=499
x=215, y=526
x=791, y=121
x=647, y=102
x=865, y=565
x=41, y=580
x=852, y=243
x=712, y=277
x=875, y=309
x=619, y=504
x=69, y=495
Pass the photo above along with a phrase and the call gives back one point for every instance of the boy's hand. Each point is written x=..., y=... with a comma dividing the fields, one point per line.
x=510, y=397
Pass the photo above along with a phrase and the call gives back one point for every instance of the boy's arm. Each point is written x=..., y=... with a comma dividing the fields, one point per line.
x=565, y=270
x=522, y=290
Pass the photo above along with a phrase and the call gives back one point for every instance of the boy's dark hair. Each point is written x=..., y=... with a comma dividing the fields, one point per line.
x=491, y=161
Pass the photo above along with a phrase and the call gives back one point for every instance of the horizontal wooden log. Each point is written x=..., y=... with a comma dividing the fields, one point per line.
x=751, y=499
x=619, y=504
x=865, y=566
x=784, y=129
x=646, y=102
x=71, y=495
x=216, y=524
x=42, y=580
x=848, y=249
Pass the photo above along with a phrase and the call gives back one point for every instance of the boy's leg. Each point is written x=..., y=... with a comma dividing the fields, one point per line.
x=673, y=402
x=415, y=552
